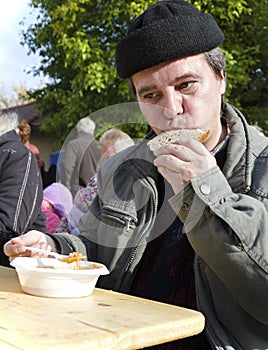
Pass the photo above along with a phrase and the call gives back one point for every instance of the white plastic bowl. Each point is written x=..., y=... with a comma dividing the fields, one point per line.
x=59, y=281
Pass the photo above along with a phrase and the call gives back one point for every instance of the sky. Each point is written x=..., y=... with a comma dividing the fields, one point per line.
x=14, y=61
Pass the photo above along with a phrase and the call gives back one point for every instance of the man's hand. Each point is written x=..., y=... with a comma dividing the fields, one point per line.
x=179, y=163
x=17, y=246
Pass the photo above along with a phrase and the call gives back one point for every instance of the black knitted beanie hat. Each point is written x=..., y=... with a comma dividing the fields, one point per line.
x=168, y=30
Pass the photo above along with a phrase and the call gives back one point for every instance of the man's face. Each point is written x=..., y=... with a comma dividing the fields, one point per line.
x=181, y=94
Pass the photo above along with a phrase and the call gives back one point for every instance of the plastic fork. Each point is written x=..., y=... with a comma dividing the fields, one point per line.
x=47, y=253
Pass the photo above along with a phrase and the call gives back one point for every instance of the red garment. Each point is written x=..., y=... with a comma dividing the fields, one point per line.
x=53, y=220
x=35, y=152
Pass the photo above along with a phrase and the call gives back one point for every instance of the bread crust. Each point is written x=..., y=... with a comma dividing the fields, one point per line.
x=176, y=136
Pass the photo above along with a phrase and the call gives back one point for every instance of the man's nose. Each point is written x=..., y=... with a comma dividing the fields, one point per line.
x=173, y=105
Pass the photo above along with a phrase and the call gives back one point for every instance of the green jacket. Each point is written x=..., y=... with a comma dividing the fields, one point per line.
x=225, y=219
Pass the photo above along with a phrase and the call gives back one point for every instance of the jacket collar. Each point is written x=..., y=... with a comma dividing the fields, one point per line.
x=239, y=159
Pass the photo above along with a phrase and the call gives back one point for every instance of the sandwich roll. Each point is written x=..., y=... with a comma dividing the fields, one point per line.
x=176, y=136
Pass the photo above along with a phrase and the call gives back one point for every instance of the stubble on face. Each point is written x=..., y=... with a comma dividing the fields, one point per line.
x=181, y=94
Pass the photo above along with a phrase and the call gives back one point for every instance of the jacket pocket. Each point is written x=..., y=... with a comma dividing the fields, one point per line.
x=119, y=219
x=116, y=228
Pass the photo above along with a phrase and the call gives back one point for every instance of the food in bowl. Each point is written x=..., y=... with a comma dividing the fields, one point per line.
x=74, y=257
x=50, y=277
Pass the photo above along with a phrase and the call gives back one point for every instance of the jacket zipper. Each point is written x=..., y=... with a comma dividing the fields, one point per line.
x=128, y=220
x=125, y=219
x=208, y=331
x=125, y=266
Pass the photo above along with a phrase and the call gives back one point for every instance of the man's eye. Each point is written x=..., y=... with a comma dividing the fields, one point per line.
x=187, y=86
x=151, y=96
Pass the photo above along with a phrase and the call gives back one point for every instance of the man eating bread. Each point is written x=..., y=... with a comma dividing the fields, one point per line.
x=186, y=223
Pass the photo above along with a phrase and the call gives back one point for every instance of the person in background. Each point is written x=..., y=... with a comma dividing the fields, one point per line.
x=21, y=190
x=48, y=176
x=57, y=203
x=80, y=158
x=186, y=224
x=24, y=132
x=112, y=141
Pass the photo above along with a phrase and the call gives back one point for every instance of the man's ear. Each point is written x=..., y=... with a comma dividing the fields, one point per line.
x=222, y=80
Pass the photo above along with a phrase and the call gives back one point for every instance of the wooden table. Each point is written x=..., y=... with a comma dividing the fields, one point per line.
x=104, y=320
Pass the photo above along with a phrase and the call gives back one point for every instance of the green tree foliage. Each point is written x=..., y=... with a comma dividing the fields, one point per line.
x=76, y=41
x=253, y=94
x=245, y=25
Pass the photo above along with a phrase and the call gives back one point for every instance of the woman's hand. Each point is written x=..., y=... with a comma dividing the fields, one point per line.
x=179, y=163
x=17, y=246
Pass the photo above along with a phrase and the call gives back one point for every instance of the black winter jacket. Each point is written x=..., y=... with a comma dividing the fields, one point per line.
x=21, y=191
